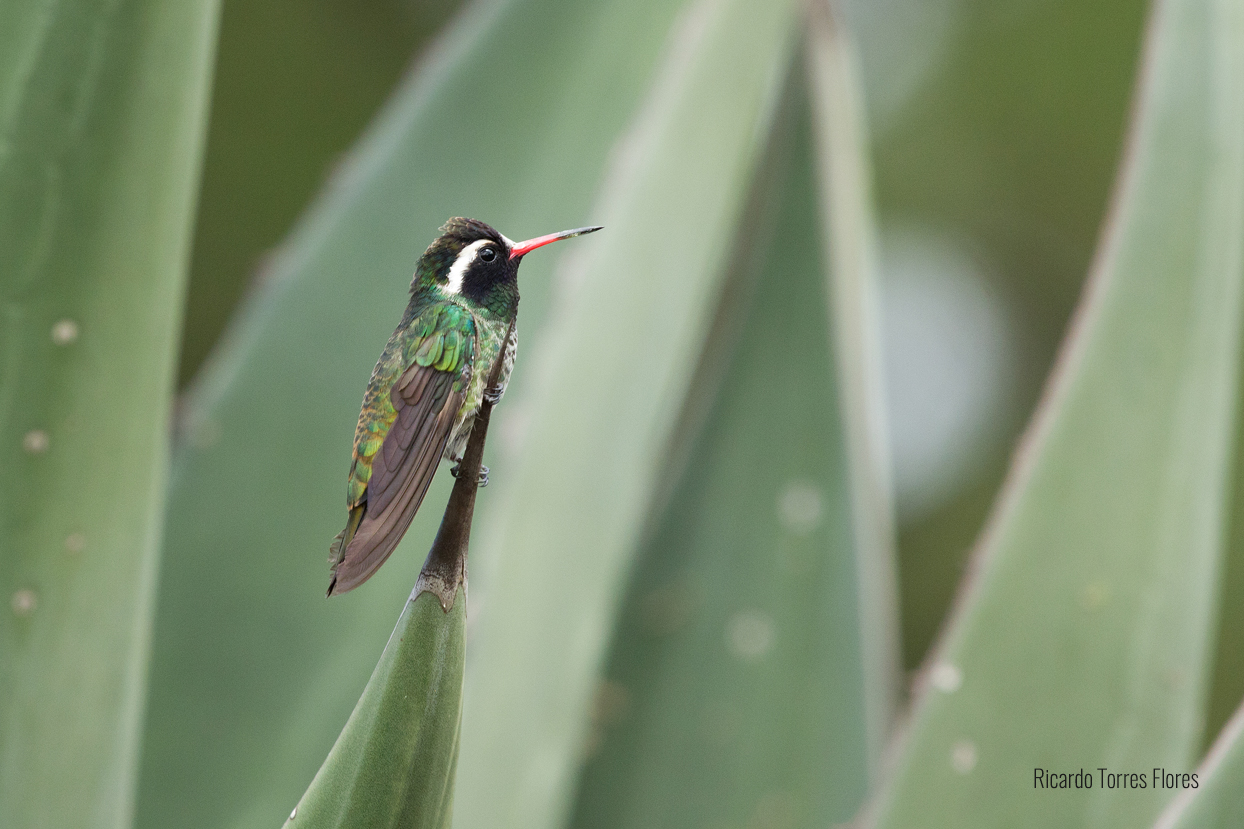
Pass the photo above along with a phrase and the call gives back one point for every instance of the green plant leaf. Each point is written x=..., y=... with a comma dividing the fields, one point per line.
x=849, y=238
x=1215, y=796
x=1228, y=658
x=393, y=764
x=1082, y=637
x=101, y=122
x=737, y=691
x=515, y=136
x=613, y=376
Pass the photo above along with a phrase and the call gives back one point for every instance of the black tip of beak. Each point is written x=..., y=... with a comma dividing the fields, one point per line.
x=523, y=248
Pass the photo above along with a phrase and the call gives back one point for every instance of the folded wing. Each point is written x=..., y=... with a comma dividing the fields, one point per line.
x=394, y=476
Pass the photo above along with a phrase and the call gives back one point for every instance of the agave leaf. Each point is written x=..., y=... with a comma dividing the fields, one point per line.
x=101, y=121
x=849, y=239
x=1083, y=635
x=738, y=687
x=393, y=764
x=1212, y=797
x=613, y=376
x=510, y=118
x=1228, y=658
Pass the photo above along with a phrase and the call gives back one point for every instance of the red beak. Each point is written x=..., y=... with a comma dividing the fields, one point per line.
x=521, y=248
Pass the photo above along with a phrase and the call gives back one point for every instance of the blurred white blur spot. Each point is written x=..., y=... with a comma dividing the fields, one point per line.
x=24, y=602
x=35, y=441
x=799, y=507
x=946, y=677
x=750, y=634
x=949, y=358
x=65, y=332
x=901, y=45
x=963, y=756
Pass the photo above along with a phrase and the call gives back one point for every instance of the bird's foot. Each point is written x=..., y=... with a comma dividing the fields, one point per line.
x=493, y=395
x=481, y=481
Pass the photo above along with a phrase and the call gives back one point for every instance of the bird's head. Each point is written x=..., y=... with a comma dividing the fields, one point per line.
x=473, y=261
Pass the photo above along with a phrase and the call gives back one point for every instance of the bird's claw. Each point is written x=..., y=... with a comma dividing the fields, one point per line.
x=493, y=395
x=481, y=481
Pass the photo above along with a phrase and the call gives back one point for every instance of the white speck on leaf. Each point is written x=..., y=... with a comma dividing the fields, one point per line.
x=946, y=677
x=35, y=442
x=800, y=507
x=750, y=634
x=24, y=602
x=65, y=332
x=963, y=756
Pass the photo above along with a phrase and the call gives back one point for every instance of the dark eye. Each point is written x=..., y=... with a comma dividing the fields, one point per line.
x=487, y=254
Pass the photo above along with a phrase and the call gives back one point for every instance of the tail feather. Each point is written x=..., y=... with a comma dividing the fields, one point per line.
x=337, y=550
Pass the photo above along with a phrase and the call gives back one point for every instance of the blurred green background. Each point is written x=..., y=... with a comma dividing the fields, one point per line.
x=996, y=131
x=296, y=81
x=681, y=596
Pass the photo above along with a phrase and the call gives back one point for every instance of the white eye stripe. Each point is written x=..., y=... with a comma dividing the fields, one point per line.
x=458, y=270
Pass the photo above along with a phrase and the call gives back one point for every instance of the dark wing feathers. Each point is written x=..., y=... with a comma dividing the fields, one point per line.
x=419, y=424
x=401, y=472
x=426, y=399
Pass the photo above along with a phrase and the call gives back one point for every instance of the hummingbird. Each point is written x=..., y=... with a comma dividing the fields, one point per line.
x=428, y=384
